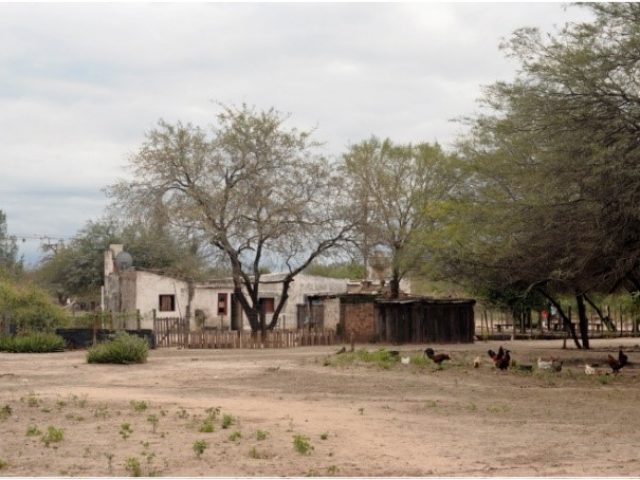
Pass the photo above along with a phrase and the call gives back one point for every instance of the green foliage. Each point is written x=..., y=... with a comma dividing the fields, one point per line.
x=53, y=435
x=77, y=268
x=3, y=464
x=199, y=446
x=125, y=430
x=124, y=349
x=207, y=426
x=261, y=435
x=324, y=436
x=32, y=343
x=5, y=412
x=29, y=307
x=139, y=405
x=133, y=466
x=235, y=436
x=33, y=431
x=9, y=261
x=352, y=270
x=153, y=420
x=302, y=444
x=227, y=420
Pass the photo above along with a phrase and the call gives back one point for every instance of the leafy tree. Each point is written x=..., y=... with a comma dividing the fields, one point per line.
x=391, y=188
x=9, y=260
x=77, y=268
x=253, y=189
x=553, y=182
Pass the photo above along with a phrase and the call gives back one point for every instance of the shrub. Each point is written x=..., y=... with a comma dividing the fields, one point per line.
x=36, y=342
x=133, y=467
x=301, y=444
x=124, y=348
x=30, y=307
x=199, y=446
x=53, y=435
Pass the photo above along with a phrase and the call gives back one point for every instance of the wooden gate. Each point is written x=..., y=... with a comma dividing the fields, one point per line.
x=171, y=332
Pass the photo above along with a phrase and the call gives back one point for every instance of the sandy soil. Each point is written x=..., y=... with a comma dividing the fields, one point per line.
x=359, y=420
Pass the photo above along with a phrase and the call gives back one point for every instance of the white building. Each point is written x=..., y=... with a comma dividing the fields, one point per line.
x=128, y=290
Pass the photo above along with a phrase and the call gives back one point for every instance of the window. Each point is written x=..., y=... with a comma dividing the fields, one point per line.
x=267, y=305
x=222, y=304
x=167, y=303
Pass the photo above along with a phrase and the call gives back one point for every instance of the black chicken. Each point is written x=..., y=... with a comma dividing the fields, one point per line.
x=616, y=365
x=496, y=357
x=505, y=361
x=436, y=357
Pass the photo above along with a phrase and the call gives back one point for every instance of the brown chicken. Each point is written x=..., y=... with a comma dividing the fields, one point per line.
x=436, y=357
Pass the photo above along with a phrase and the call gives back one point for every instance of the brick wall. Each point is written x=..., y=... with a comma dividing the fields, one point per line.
x=359, y=320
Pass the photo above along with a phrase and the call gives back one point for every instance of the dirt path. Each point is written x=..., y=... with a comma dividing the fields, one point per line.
x=358, y=420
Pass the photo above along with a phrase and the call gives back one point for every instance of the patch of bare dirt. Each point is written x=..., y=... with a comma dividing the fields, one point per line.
x=358, y=420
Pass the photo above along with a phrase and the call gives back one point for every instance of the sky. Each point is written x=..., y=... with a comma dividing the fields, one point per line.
x=80, y=84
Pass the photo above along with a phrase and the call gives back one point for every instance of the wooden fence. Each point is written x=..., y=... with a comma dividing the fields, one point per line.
x=496, y=322
x=174, y=332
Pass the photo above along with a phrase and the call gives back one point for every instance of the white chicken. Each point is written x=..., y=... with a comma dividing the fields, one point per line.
x=589, y=370
x=476, y=362
x=544, y=365
x=405, y=360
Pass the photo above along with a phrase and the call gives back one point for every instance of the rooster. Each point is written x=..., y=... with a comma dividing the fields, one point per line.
x=505, y=361
x=436, y=357
x=616, y=365
x=496, y=357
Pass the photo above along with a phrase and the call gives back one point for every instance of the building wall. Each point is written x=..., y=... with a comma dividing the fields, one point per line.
x=206, y=299
x=149, y=287
x=301, y=286
x=331, y=313
x=358, y=320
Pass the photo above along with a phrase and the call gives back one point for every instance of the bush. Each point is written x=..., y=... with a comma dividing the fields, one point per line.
x=32, y=343
x=124, y=348
x=30, y=308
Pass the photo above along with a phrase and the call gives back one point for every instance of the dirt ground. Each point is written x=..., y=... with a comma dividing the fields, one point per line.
x=358, y=420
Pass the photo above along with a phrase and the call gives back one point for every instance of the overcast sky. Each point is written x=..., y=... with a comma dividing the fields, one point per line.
x=81, y=83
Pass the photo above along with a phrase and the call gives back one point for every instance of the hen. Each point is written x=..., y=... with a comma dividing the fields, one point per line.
x=496, y=357
x=436, y=357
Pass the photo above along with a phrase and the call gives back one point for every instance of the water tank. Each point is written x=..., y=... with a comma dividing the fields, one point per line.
x=123, y=261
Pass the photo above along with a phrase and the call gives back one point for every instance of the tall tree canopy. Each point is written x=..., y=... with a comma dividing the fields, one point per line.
x=391, y=188
x=554, y=181
x=252, y=188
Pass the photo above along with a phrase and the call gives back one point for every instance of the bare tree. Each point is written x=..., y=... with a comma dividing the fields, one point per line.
x=254, y=189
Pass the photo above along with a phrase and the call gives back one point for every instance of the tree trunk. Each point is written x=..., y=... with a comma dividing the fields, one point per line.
x=567, y=323
x=394, y=284
x=583, y=321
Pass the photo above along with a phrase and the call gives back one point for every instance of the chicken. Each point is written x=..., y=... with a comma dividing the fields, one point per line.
x=556, y=365
x=436, y=357
x=405, y=360
x=496, y=357
x=614, y=364
x=589, y=370
x=623, y=360
x=505, y=361
x=476, y=362
x=544, y=365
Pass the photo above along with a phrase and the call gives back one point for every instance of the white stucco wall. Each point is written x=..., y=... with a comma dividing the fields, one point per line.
x=205, y=298
x=149, y=287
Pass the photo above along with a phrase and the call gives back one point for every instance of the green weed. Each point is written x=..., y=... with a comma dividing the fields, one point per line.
x=37, y=342
x=33, y=431
x=125, y=431
x=53, y=435
x=132, y=465
x=207, y=426
x=302, y=444
x=139, y=406
x=261, y=435
x=324, y=436
x=3, y=464
x=199, y=446
x=332, y=470
x=227, y=421
x=153, y=420
x=235, y=436
x=5, y=412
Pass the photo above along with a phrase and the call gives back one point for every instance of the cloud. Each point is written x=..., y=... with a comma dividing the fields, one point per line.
x=81, y=83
